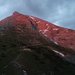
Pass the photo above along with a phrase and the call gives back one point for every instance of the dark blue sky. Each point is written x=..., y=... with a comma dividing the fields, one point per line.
x=59, y=12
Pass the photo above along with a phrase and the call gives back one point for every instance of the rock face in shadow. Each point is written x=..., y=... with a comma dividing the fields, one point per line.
x=38, y=60
x=24, y=50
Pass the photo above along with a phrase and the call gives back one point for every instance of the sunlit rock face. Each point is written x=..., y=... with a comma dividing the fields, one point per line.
x=62, y=36
x=31, y=46
x=30, y=30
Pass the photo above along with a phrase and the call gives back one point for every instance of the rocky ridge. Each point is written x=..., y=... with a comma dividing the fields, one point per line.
x=29, y=44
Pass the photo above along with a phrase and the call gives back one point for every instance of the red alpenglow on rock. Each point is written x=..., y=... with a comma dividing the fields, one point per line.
x=62, y=36
x=59, y=35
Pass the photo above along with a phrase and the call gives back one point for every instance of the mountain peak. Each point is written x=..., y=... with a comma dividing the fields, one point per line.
x=16, y=13
x=59, y=35
x=24, y=49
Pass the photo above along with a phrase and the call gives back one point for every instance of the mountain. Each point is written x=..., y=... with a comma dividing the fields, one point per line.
x=31, y=46
x=60, y=35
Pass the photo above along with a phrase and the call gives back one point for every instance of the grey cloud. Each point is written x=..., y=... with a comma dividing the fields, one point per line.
x=60, y=12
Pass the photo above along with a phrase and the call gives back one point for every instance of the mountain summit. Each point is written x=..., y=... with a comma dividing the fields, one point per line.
x=32, y=46
x=59, y=35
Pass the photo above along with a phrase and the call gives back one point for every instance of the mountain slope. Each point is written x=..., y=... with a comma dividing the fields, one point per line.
x=60, y=35
x=25, y=50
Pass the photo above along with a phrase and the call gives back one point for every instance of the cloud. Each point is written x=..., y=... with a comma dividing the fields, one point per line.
x=59, y=12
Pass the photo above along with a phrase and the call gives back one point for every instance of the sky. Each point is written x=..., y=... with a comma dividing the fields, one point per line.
x=59, y=12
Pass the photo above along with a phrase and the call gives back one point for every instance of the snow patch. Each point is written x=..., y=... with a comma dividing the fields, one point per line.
x=59, y=53
x=45, y=30
x=26, y=49
x=55, y=29
x=45, y=35
x=32, y=17
x=25, y=73
x=55, y=42
x=38, y=22
x=40, y=30
x=46, y=24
